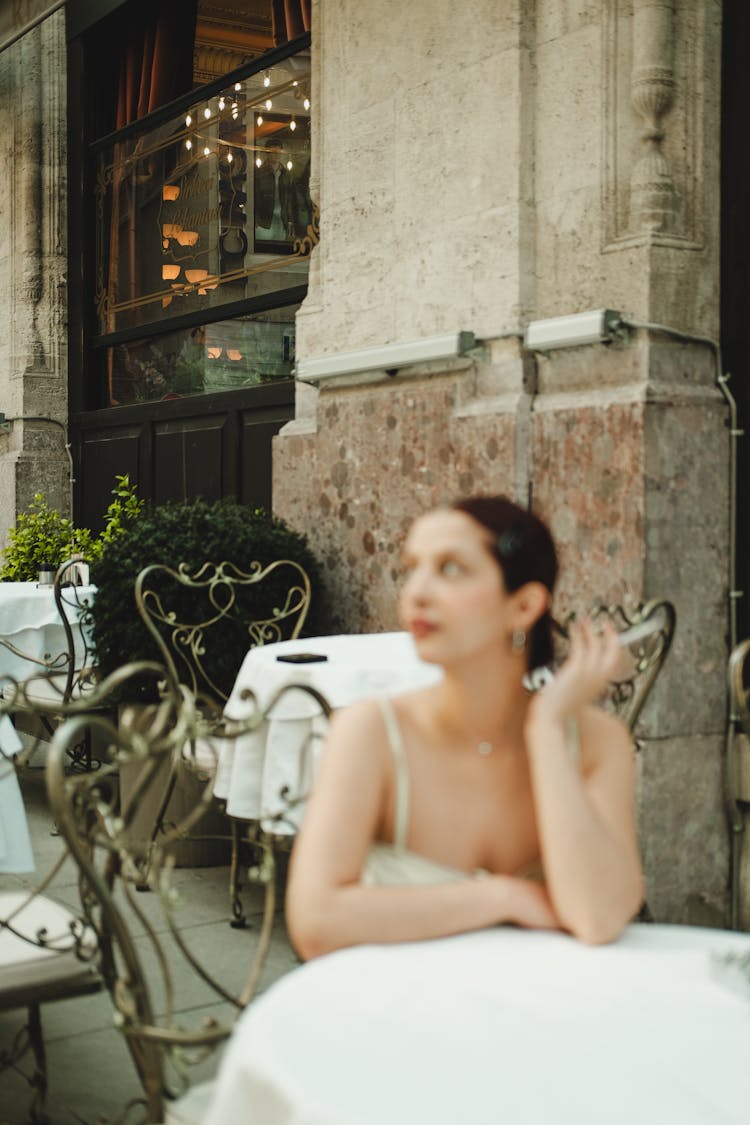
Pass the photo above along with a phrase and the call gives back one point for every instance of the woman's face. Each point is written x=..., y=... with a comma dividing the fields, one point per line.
x=453, y=600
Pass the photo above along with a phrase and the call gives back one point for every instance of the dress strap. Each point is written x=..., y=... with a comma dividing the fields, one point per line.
x=401, y=768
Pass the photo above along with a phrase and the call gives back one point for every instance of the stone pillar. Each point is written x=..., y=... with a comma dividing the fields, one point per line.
x=424, y=175
x=476, y=171
x=630, y=444
x=33, y=254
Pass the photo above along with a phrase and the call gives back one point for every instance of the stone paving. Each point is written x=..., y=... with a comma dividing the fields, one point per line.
x=91, y=1076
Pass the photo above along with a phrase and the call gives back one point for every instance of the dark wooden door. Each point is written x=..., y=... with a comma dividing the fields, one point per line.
x=210, y=446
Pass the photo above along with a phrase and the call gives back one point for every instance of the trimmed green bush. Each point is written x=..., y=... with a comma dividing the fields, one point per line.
x=195, y=532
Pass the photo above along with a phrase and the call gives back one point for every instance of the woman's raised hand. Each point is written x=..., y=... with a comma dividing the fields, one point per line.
x=595, y=659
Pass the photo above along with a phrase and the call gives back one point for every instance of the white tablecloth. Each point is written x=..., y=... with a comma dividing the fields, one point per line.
x=30, y=621
x=501, y=1026
x=253, y=768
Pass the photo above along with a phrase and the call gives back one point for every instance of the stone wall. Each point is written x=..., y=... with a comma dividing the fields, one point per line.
x=33, y=271
x=476, y=170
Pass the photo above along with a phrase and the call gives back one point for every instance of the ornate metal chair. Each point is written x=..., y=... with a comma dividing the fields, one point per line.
x=46, y=954
x=203, y=624
x=147, y=964
x=44, y=684
x=646, y=635
x=738, y=772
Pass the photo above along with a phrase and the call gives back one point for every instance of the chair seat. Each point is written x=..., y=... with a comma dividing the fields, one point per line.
x=31, y=973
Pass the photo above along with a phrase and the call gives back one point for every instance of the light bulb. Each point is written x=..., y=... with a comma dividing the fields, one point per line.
x=230, y=158
x=188, y=144
x=221, y=103
x=289, y=165
x=269, y=103
x=259, y=120
x=188, y=121
x=207, y=112
x=295, y=83
x=258, y=162
x=306, y=103
x=207, y=151
x=266, y=79
x=238, y=85
x=292, y=124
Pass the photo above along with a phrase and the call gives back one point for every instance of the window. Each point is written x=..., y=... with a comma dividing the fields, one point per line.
x=203, y=228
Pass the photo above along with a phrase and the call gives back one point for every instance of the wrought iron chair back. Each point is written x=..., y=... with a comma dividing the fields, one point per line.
x=646, y=634
x=148, y=963
x=48, y=684
x=204, y=622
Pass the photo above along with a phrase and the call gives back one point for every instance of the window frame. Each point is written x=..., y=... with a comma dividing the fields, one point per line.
x=86, y=343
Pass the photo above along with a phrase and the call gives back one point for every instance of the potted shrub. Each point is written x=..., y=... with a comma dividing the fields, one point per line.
x=42, y=538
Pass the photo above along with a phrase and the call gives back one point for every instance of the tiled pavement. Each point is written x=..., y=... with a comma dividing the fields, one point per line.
x=91, y=1076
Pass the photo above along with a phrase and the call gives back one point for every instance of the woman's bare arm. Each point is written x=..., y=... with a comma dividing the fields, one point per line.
x=586, y=816
x=328, y=908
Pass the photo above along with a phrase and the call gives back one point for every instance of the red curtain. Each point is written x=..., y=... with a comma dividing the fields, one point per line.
x=157, y=60
x=290, y=19
x=156, y=66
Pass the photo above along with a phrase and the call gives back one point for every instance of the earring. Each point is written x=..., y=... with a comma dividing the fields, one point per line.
x=518, y=640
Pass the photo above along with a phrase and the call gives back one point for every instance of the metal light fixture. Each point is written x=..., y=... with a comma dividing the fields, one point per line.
x=601, y=326
x=389, y=358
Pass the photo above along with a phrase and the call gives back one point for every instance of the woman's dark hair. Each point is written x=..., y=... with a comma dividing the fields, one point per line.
x=525, y=552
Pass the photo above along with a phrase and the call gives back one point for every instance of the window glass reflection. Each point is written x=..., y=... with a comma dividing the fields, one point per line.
x=221, y=356
x=210, y=207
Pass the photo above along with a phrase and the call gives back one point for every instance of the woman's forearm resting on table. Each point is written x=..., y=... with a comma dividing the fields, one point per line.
x=587, y=834
x=323, y=920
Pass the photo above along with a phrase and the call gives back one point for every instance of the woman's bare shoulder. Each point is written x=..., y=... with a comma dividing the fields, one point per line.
x=357, y=731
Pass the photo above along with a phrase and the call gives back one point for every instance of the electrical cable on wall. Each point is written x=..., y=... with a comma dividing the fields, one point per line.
x=64, y=428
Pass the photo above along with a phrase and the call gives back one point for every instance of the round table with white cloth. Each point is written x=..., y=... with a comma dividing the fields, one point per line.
x=30, y=622
x=503, y=1025
x=254, y=768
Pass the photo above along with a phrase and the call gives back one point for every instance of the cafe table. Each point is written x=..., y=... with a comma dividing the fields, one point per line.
x=30, y=623
x=255, y=767
x=502, y=1025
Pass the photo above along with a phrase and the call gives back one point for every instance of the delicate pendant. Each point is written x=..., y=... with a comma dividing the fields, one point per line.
x=484, y=748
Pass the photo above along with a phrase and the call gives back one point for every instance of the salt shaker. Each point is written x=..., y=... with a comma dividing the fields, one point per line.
x=47, y=574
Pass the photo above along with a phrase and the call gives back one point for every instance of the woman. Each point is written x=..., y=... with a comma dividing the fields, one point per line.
x=472, y=802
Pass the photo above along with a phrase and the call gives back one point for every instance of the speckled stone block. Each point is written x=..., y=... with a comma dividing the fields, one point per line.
x=382, y=455
x=683, y=829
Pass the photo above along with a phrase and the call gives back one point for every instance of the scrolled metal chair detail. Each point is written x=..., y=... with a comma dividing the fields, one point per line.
x=203, y=623
x=145, y=960
x=192, y=616
x=646, y=632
